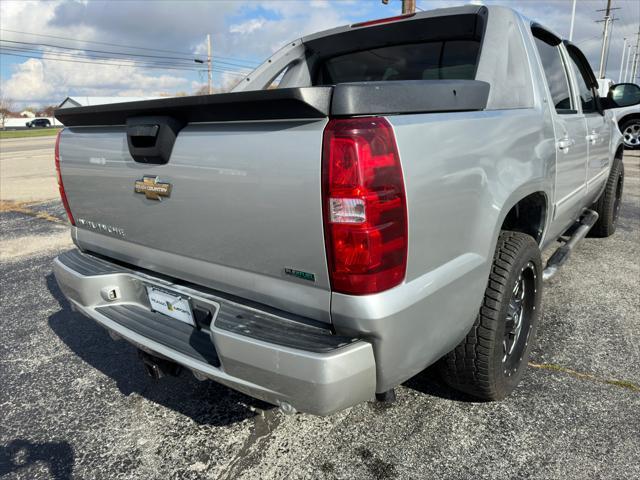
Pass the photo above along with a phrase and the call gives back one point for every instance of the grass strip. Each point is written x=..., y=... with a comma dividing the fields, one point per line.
x=586, y=376
x=37, y=132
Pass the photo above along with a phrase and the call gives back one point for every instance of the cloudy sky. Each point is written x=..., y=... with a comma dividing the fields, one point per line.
x=99, y=38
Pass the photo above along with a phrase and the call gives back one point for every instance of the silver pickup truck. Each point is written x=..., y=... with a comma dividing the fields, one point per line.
x=371, y=200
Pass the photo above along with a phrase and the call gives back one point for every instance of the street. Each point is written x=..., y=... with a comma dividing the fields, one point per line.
x=27, y=170
x=75, y=404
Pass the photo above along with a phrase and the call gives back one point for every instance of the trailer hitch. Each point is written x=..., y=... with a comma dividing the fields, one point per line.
x=157, y=367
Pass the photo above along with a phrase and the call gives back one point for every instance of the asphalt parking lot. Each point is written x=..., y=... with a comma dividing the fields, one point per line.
x=75, y=404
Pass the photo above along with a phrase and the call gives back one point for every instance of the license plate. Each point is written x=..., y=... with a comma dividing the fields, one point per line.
x=174, y=306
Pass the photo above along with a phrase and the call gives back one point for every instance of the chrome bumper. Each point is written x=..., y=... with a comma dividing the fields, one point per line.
x=278, y=360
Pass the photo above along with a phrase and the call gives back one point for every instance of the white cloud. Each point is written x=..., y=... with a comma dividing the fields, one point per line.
x=229, y=81
x=29, y=78
x=49, y=81
x=248, y=26
x=292, y=20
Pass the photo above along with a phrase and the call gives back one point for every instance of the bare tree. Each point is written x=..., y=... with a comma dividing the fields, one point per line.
x=174, y=94
x=48, y=110
x=6, y=107
x=204, y=90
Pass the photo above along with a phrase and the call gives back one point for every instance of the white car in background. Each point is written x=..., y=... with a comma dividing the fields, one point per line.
x=628, y=118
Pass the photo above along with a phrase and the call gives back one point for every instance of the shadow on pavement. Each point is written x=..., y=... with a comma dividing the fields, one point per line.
x=20, y=454
x=428, y=382
x=205, y=402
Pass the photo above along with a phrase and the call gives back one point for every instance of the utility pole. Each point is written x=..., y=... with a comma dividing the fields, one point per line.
x=408, y=6
x=605, y=39
x=624, y=47
x=209, y=64
x=626, y=65
x=634, y=70
x=573, y=19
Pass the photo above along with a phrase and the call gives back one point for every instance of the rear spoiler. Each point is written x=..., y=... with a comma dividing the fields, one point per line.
x=346, y=99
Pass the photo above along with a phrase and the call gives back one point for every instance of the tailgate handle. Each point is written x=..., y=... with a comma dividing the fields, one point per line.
x=145, y=131
x=151, y=139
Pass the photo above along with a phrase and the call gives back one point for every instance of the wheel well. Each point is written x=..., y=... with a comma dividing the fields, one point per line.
x=619, y=152
x=627, y=117
x=528, y=216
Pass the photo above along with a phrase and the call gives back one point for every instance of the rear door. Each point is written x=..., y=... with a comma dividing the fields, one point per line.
x=570, y=131
x=598, y=133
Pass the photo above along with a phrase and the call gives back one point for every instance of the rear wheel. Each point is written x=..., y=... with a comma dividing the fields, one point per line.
x=490, y=361
x=608, y=205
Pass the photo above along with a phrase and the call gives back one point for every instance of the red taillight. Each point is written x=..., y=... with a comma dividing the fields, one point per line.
x=63, y=195
x=364, y=204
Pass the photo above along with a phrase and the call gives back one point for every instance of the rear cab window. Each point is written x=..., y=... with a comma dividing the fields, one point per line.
x=450, y=59
x=439, y=48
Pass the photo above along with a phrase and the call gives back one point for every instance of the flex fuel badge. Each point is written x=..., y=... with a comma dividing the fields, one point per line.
x=300, y=274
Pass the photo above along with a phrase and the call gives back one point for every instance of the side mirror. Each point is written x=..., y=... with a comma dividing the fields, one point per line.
x=623, y=95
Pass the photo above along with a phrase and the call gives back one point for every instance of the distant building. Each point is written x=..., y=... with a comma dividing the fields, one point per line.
x=27, y=114
x=74, y=101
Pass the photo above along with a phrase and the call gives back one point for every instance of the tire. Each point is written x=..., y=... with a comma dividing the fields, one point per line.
x=490, y=361
x=630, y=130
x=608, y=205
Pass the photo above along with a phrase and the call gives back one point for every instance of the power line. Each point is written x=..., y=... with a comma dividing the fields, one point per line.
x=92, y=62
x=95, y=42
x=102, y=51
x=99, y=60
x=122, y=46
x=118, y=64
x=134, y=62
x=120, y=53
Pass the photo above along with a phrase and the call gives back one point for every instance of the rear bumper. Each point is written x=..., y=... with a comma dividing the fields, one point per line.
x=267, y=355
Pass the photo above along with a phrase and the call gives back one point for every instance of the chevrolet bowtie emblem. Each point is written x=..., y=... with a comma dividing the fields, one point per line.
x=152, y=188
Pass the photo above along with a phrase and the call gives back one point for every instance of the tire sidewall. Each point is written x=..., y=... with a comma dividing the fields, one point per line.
x=529, y=253
x=619, y=176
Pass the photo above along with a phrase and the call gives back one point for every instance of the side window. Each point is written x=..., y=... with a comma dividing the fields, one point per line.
x=556, y=76
x=587, y=96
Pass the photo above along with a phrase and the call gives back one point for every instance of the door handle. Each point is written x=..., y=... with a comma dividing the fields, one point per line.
x=565, y=143
x=593, y=138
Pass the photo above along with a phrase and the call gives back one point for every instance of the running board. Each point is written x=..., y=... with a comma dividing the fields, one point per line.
x=560, y=256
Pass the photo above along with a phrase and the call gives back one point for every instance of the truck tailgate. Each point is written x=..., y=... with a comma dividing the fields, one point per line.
x=244, y=214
